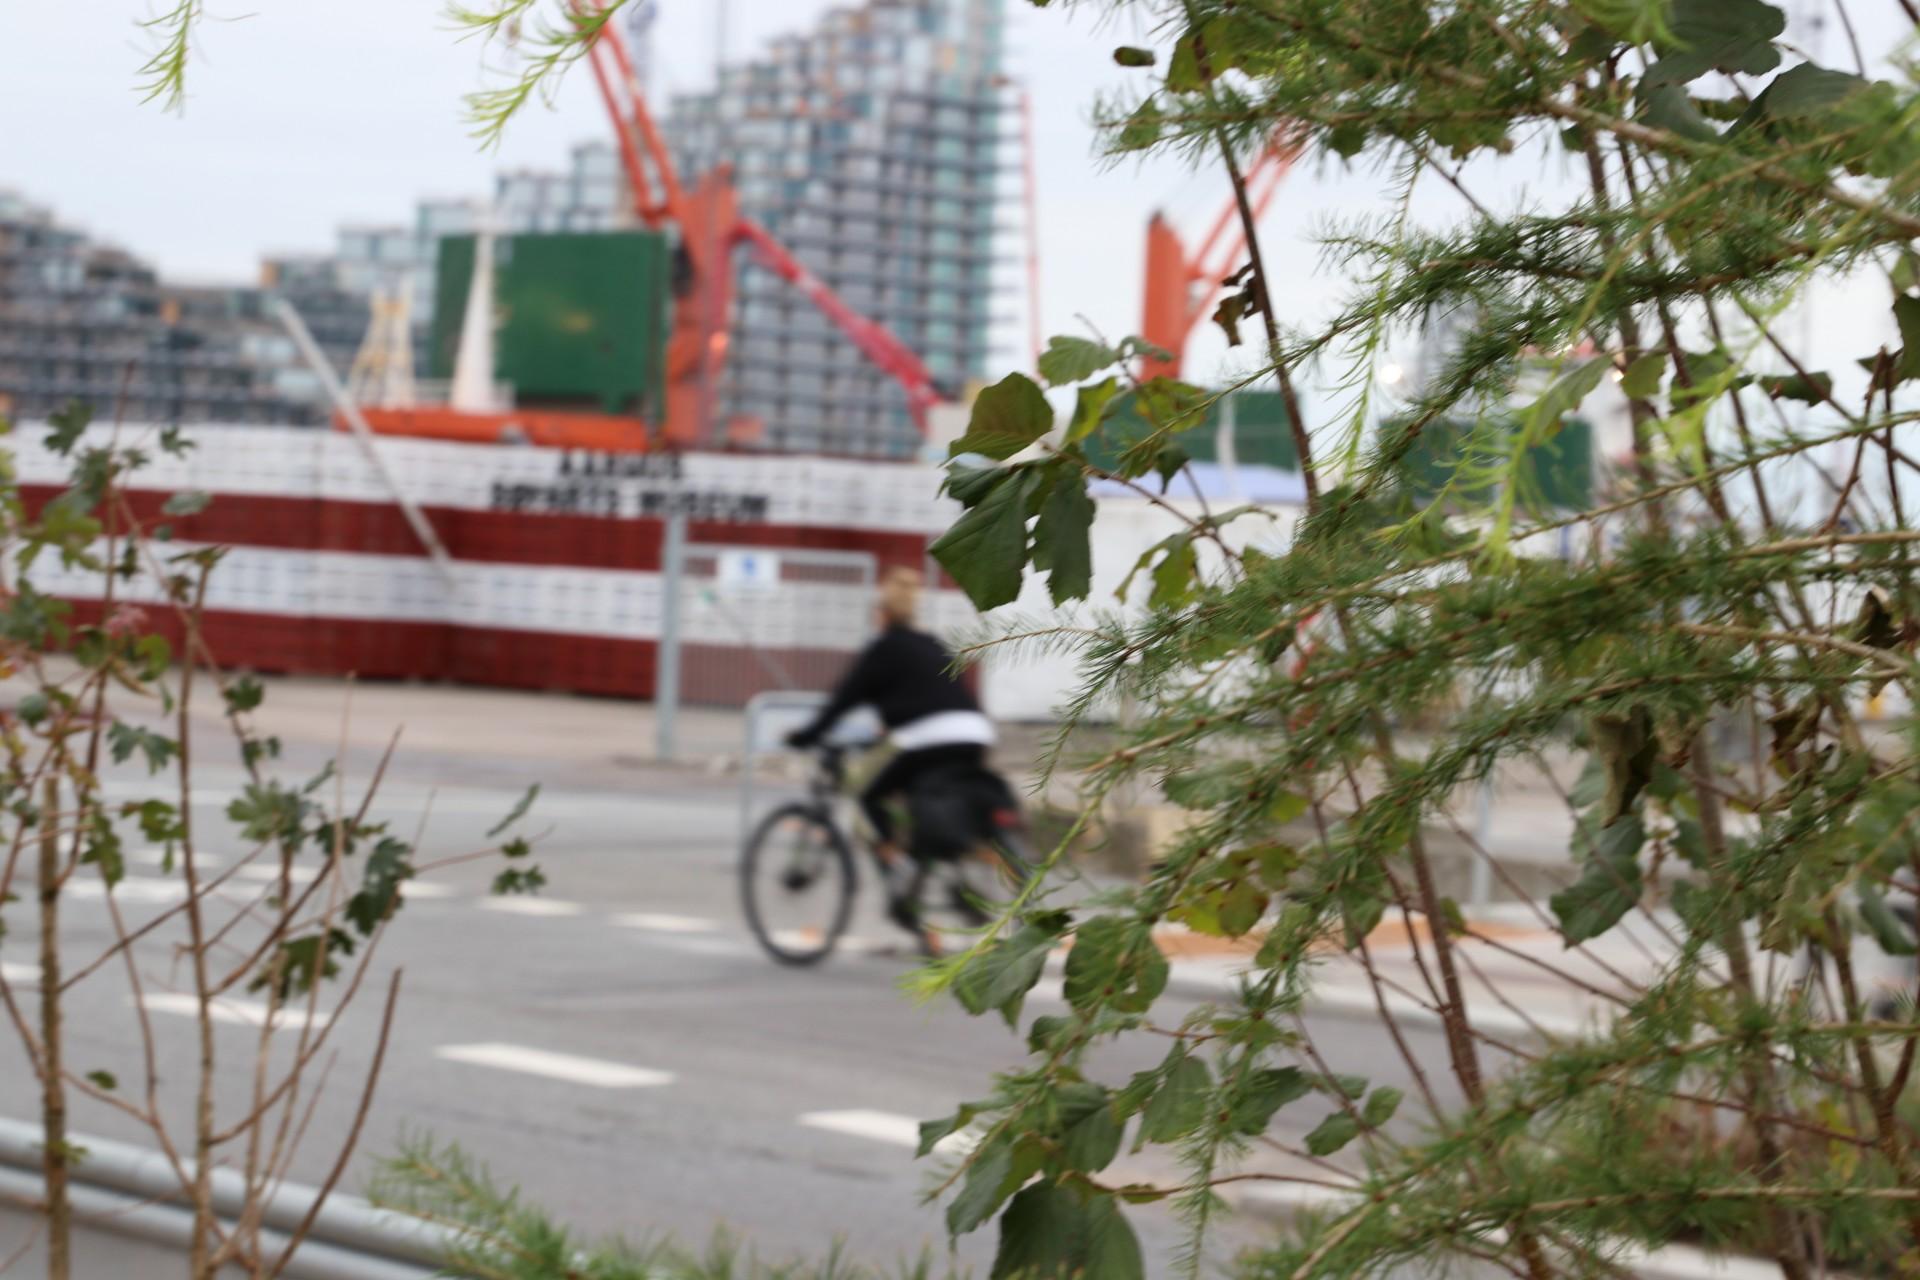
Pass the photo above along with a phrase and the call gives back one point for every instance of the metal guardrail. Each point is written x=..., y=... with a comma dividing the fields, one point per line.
x=132, y=1191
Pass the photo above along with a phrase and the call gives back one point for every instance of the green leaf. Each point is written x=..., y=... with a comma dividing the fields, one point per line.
x=1798, y=92
x=983, y=1190
x=244, y=694
x=125, y=739
x=1607, y=889
x=1333, y=1133
x=1114, y=961
x=934, y=1132
x=1717, y=35
x=1129, y=56
x=1815, y=388
x=1000, y=977
x=1241, y=908
x=1643, y=376
x=518, y=880
x=188, y=502
x=103, y=849
x=1007, y=417
x=1544, y=416
x=388, y=866
x=1069, y=359
x=1089, y=1131
x=1179, y=1105
x=987, y=547
x=267, y=811
x=104, y=1080
x=1142, y=128
x=1670, y=107
x=1906, y=314
x=68, y=423
x=1894, y=937
x=1381, y=1105
x=519, y=811
x=1174, y=577
x=1265, y=1092
x=1275, y=864
x=1348, y=140
x=34, y=708
x=1063, y=535
x=1089, y=408
x=1051, y=1233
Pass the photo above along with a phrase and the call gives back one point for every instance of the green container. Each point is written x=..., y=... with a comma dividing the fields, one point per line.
x=1556, y=474
x=1261, y=436
x=582, y=317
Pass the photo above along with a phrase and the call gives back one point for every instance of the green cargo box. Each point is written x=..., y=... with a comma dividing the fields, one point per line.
x=582, y=317
x=1261, y=436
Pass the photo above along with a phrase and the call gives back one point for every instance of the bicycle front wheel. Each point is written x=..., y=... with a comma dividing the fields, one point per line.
x=796, y=884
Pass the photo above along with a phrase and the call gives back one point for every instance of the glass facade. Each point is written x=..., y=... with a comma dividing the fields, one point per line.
x=870, y=146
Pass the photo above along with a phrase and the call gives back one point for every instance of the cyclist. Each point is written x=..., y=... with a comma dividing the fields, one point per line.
x=933, y=722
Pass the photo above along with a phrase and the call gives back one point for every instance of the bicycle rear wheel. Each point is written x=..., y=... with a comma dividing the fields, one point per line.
x=967, y=893
x=796, y=884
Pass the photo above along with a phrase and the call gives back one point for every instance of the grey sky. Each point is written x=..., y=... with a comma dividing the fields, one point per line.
x=305, y=114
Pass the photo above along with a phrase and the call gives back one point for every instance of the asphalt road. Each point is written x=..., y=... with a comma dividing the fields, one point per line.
x=618, y=1047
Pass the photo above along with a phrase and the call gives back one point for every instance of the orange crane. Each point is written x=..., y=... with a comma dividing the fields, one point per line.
x=1181, y=287
x=711, y=227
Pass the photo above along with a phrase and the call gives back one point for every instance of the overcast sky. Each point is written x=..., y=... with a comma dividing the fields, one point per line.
x=305, y=114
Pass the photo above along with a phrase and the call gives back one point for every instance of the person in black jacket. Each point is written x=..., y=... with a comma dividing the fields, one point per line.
x=933, y=722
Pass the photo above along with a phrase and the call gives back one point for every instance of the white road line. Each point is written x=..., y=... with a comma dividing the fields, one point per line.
x=266, y=873
x=556, y=1066
x=709, y=946
x=130, y=889
x=852, y=944
x=24, y=974
x=888, y=1127
x=657, y=922
x=156, y=855
x=246, y=1013
x=423, y=890
x=521, y=906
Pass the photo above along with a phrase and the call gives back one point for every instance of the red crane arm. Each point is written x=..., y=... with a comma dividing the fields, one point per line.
x=892, y=356
x=1181, y=287
x=660, y=199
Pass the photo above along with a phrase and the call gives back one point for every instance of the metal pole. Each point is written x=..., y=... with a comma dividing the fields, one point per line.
x=416, y=519
x=1480, y=883
x=1226, y=447
x=666, y=680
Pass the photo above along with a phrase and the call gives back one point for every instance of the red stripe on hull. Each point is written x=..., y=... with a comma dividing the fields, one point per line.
x=501, y=537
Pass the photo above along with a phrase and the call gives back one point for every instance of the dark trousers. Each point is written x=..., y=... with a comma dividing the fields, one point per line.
x=906, y=768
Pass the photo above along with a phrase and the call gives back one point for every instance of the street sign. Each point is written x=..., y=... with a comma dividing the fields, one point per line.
x=747, y=570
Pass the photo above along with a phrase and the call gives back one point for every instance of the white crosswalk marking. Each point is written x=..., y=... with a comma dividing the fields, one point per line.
x=595, y=1072
x=24, y=974
x=657, y=922
x=888, y=1127
x=423, y=890
x=246, y=1013
x=518, y=906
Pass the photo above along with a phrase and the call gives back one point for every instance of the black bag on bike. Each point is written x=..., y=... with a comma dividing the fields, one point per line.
x=955, y=811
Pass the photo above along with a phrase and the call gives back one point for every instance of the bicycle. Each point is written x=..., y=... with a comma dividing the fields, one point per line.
x=798, y=874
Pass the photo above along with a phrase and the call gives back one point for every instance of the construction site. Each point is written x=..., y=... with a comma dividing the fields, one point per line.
x=476, y=447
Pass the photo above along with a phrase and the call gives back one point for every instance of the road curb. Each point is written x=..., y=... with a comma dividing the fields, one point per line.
x=1669, y=1262
x=1344, y=999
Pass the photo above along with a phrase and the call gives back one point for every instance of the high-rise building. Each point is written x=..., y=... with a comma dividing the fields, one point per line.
x=872, y=147
x=84, y=321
